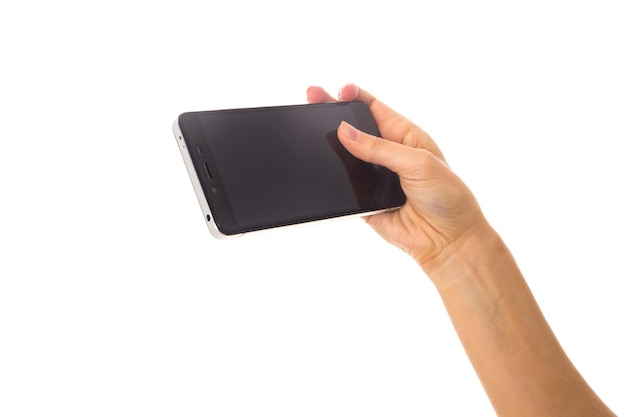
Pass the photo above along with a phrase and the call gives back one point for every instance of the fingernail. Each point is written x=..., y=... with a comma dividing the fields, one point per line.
x=340, y=93
x=350, y=95
x=349, y=131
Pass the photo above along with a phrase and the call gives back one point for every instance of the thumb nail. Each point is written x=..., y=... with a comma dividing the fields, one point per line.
x=349, y=131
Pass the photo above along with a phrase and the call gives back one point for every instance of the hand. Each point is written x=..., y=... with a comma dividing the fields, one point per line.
x=518, y=359
x=440, y=212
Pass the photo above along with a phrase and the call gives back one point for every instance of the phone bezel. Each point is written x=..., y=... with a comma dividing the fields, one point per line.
x=197, y=185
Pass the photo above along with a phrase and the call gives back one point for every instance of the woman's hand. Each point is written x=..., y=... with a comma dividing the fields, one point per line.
x=519, y=361
x=440, y=212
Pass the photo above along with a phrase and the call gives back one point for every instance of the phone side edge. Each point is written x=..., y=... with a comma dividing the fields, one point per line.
x=197, y=187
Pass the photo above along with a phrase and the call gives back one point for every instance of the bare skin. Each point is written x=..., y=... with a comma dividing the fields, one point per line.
x=519, y=361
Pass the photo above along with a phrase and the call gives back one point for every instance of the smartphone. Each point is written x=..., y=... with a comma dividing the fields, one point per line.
x=261, y=168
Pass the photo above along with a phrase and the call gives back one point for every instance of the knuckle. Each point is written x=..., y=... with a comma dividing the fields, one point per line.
x=376, y=146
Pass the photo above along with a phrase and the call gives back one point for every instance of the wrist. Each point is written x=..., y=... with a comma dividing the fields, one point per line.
x=464, y=259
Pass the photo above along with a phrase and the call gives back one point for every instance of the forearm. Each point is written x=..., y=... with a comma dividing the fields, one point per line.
x=519, y=361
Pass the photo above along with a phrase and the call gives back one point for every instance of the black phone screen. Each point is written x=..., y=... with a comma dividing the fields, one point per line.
x=275, y=166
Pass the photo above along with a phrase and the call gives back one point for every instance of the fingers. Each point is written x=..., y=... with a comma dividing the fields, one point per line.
x=392, y=126
x=316, y=94
x=351, y=92
x=369, y=148
x=384, y=116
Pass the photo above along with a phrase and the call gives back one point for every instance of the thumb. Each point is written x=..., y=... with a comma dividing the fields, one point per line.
x=370, y=148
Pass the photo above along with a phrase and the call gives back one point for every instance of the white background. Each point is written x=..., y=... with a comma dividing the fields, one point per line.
x=114, y=298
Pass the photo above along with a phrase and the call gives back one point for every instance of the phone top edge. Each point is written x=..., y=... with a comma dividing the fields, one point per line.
x=277, y=107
